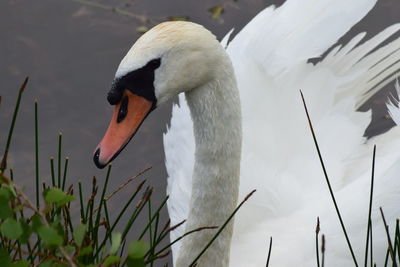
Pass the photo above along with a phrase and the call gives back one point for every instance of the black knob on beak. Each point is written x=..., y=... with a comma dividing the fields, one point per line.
x=97, y=161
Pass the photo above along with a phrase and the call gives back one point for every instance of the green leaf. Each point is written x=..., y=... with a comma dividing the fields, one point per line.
x=36, y=223
x=70, y=249
x=53, y=195
x=21, y=263
x=4, y=257
x=130, y=262
x=216, y=11
x=11, y=189
x=79, y=234
x=57, y=196
x=48, y=263
x=27, y=231
x=116, y=239
x=56, y=225
x=65, y=200
x=136, y=252
x=112, y=259
x=50, y=236
x=5, y=192
x=137, y=249
x=11, y=229
x=5, y=210
x=85, y=251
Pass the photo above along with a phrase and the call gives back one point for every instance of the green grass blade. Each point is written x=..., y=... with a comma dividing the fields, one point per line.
x=152, y=218
x=65, y=173
x=146, y=196
x=11, y=174
x=269, y=251
x=371, y=257
x=149, y=222
x=89, y=211
x=369, y=223
x=391, y=252
x=155, y=231
x=59, y=160
x=397, y=237
x=37, y=154
x=3, y=164
x=317, y=229
x=68, y=219
x=53, y=178
x=150, y=230
x=108, y=219
x=328, y=182
x=103, y=193
x=387, y=257
x=166, y=229
x=82, y=206
x=395, y=248
x=323, y=251
x=121, y=213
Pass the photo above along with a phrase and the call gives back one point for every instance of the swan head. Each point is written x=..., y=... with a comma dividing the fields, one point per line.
x=171, y=58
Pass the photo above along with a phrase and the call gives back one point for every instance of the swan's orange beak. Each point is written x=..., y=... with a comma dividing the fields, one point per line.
x=127, y=117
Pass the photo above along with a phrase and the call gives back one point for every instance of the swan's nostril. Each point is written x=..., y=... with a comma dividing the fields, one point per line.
x=96, y=159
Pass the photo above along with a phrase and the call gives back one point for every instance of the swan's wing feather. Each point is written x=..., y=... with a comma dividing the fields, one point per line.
x=279, y=157
x=297, y=31
x=376, y=68
x=393, y=105
x=280, y=161
x=179, y=162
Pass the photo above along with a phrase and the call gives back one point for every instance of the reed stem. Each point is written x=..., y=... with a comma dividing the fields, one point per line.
x=37, y=154
x=3, y=164
x=369, y=223
x=328, y=182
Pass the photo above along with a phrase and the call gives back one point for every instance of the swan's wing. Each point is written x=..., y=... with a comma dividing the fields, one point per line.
x=296, y=31
x=179, y=162
x=279, y=157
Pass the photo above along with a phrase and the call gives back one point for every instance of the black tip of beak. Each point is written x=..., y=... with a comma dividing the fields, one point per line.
x=96, y=159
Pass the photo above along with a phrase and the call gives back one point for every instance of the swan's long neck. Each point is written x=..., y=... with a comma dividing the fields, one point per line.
x=216, y=115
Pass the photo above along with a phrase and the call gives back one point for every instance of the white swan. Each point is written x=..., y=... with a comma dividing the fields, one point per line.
x=207, y=151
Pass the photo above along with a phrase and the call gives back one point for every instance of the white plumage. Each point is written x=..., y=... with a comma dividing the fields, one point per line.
x=278, y=155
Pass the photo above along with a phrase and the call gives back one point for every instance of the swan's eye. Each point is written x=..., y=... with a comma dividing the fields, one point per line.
x=154, y=64
x=123, y=109
x=139, y=81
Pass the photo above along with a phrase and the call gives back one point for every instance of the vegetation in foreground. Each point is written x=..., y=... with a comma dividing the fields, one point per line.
x=43, y=233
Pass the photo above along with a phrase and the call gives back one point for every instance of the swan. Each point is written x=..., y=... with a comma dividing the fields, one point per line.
x=240, y=125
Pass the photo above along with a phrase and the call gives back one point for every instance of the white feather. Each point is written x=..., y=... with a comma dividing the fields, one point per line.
x=393, y=105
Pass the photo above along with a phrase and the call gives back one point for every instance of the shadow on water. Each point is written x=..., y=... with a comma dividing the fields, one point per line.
x=71, y=51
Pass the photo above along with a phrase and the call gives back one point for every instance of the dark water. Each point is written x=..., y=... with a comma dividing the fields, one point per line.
x=71, y=50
